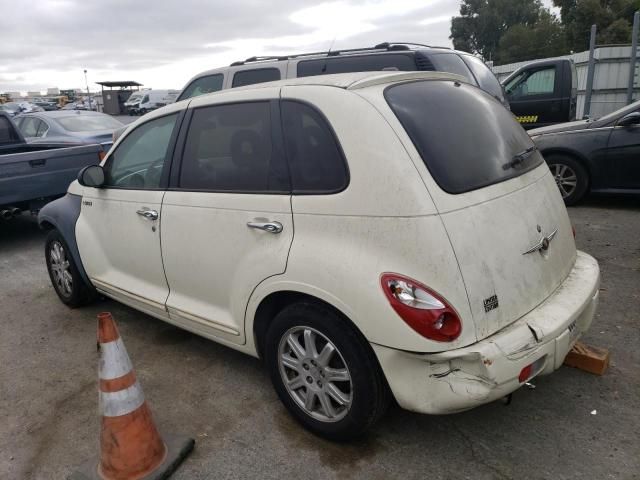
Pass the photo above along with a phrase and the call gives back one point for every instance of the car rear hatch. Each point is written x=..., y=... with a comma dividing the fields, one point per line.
x=502, y=211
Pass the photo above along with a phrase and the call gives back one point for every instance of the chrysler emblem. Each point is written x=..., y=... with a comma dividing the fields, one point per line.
x=543, y=244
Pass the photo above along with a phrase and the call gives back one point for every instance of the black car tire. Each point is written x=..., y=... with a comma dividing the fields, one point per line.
x=76, y=292
x=564, y=168
x=368, y=391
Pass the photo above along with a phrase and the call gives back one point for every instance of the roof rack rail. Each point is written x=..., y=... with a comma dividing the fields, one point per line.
x=388, y=46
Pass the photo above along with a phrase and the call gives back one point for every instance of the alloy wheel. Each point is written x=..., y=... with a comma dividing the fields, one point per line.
x=61, y=269
x=566, y=179
x=315, y=374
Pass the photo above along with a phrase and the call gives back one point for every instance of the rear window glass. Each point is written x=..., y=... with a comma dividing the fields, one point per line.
x=452, y=63
x=202, y=85
x=466, y=139
x=250, y=77
x=486, y=79
x=89, y=123
x=360, y=63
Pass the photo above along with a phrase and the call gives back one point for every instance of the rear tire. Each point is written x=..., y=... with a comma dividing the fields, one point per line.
x=66, y=280
x=331, y=363
x=571, y=177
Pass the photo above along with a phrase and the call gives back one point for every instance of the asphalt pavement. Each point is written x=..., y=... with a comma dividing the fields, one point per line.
x=573, y=425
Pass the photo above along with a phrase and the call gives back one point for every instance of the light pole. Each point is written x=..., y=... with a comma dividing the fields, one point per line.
x=87, y=83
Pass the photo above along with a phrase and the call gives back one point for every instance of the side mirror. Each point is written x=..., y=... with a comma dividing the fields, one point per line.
x=91, y=176
x=630, y=119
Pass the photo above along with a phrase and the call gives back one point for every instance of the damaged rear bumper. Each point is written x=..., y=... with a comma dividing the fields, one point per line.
x=461, y=379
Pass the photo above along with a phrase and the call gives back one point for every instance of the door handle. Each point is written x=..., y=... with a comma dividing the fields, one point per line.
x=148, y=213
x=271, y=227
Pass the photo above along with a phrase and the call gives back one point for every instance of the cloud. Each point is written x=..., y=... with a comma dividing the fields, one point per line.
x=163, y=44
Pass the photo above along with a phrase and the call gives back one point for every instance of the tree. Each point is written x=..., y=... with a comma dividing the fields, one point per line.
x=482, y=23
x=544, y=39
x=612, y=17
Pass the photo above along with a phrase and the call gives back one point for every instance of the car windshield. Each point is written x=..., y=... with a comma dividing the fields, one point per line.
x=88, y=123
x=466, y=138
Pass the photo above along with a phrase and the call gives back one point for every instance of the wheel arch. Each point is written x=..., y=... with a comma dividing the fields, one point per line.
x=275, y=301
x=567, y=152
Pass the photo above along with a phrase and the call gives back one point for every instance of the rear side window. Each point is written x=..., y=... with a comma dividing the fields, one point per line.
x=315, y=159
x=202, y=85
x=452, y=63
x=261, y=75
x=485, y=77
x=229, y=149
x=360, y=63
x=466, y=139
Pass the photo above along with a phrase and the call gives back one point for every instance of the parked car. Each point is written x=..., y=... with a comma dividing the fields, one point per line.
x=33, y=174
x=384, y=56
x=47, y=106
x=543, y=93
x=16, y=108
x=79, y=127
x=433, y=258
x=600, y=155
x=150, y=100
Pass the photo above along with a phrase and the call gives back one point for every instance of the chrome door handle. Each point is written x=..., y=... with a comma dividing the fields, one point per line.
x=271, y=227
x=148, y=213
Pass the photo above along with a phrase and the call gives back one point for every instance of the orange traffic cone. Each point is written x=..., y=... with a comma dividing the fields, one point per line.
x=130, y=446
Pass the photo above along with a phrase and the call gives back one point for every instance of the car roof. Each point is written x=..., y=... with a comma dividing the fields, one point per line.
x=348, y=81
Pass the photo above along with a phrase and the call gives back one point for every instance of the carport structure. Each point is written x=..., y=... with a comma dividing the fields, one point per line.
x=118, y=92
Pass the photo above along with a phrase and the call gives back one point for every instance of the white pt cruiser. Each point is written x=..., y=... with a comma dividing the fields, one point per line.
x=366, y=234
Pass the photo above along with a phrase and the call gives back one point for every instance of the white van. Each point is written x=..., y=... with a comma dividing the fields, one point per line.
x=148, y=100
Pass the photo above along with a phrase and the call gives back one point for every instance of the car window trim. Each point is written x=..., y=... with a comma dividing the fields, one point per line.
x=164, y=176
x=277, y=147
x=324, y=118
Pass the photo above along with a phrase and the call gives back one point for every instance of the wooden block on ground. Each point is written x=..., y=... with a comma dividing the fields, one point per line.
x=590, y=359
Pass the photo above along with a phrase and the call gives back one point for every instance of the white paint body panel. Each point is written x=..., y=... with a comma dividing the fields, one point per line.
x=392, y=217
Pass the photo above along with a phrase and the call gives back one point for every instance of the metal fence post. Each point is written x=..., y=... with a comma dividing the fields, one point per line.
x=590, y=72
x=632, y=57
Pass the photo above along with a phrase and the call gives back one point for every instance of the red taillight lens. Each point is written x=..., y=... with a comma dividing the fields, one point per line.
x=573, y=230
x=525, y=373
x=421, y=308
x=102, y=154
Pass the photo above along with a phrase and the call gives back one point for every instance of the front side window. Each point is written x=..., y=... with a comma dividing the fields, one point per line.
x=466, y=138
x=202, y=85
x=315, y=159
x=229, y=149
x=138, y=160
x=250, y=77
x=540, y=82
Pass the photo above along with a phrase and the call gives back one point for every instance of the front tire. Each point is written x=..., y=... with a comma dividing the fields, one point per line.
x=570, y=176
x=63, y=272
x=324, y=372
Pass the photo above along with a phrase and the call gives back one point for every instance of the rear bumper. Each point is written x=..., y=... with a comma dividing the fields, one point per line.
x=461, y=379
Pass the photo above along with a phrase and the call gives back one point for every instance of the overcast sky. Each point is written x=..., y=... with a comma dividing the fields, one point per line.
x=48, y=43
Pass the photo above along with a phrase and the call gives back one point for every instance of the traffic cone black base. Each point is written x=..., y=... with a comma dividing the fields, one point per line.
x=178, y=447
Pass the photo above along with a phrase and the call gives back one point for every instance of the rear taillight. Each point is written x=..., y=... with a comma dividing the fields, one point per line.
x=421, y=308
x=573, y=229
x=102, y=154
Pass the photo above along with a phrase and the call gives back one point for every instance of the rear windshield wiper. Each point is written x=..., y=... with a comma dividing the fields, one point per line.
x=518, y=158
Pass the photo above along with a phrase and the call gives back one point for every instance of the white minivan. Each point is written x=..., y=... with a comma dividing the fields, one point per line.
x=369, y=235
